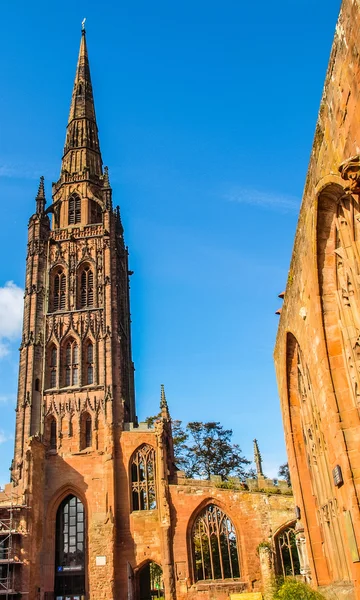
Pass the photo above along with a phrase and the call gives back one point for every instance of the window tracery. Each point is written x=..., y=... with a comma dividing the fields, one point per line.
x=286, y=552
x=215, y=547
x=143, y=478
x=70, y=548
x=318, y=463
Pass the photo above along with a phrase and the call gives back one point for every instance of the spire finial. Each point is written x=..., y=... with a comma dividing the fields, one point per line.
x=258, y=459
x=40, y=198
x=163, y=404
x=83, y=25
x=82, y=148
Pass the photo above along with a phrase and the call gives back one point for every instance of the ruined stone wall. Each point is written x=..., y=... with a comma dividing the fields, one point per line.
x=256, y=516
x=316, y=354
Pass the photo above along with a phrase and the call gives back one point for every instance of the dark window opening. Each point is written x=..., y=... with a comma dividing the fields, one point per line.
x=86, y=288
x=53, y=367
x=214, y=546
x=74, y=211
x=37, y=385
x=53, y=435
x=59, y=295
x=90, y=364
x=143, y=481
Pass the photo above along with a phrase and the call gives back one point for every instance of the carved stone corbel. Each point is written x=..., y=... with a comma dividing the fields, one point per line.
x=350, y=171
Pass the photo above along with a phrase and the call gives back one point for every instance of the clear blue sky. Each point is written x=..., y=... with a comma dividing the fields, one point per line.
x=206, y=112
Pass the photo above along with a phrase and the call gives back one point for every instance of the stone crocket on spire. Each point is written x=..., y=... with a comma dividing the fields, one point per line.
x=82, y=148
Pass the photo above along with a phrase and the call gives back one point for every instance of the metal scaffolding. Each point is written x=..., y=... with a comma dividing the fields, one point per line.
x=8, y=560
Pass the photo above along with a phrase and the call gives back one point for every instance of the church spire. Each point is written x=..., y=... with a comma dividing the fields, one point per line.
x=82, y=149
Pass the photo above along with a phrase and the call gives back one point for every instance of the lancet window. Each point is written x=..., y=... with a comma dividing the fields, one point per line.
x=86, y=288
x=71, y=363
x=215, y=549
x=286, y=552
x=59, y=290
x=53, y=434
x=53, y=367
x=85, y=431
x=143, y=480
x=89, y=364
x=74, y=215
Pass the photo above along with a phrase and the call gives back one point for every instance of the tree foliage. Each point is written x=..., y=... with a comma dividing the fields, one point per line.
x=284, y=472
x=292, y=589
x=205, y=449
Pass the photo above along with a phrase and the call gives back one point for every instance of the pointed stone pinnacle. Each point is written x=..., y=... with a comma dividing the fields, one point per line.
x=40, y=198
x=41, y=190
x=163, y=403
x=106, y=177
x=258, y=459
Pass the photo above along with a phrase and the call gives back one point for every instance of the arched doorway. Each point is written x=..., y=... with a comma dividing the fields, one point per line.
x=150, y=582
x=70, y=550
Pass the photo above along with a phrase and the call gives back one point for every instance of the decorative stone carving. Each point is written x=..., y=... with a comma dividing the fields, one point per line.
x=350, y=171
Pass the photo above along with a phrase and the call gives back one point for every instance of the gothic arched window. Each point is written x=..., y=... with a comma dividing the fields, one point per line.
x=71, y=363
x=59, y=291
x=287, y=557
x=86, y=288
x=74, y=215
x=215, y=548
x=70, y=548
x=89, y=364
x=85, y=431
x=143, y=484
x=53, y=367
x=53, y=434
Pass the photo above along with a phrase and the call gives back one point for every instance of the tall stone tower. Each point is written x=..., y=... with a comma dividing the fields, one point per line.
x=76, y=387
x=76, y=348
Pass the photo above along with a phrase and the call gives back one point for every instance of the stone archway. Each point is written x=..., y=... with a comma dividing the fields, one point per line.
x=149, y=582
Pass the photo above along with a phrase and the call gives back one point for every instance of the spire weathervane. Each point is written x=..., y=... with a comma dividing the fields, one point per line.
x=83, y=24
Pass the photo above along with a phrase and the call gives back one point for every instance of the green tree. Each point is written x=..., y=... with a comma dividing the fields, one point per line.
x=205, y=449
x=284, y=472
x=210, y=451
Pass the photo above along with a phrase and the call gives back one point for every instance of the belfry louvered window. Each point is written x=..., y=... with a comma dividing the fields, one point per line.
x=143, y=483
x=215, y=548
x=59, y=295
x=86, y=288
x=71, y=363
x=74, y=215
